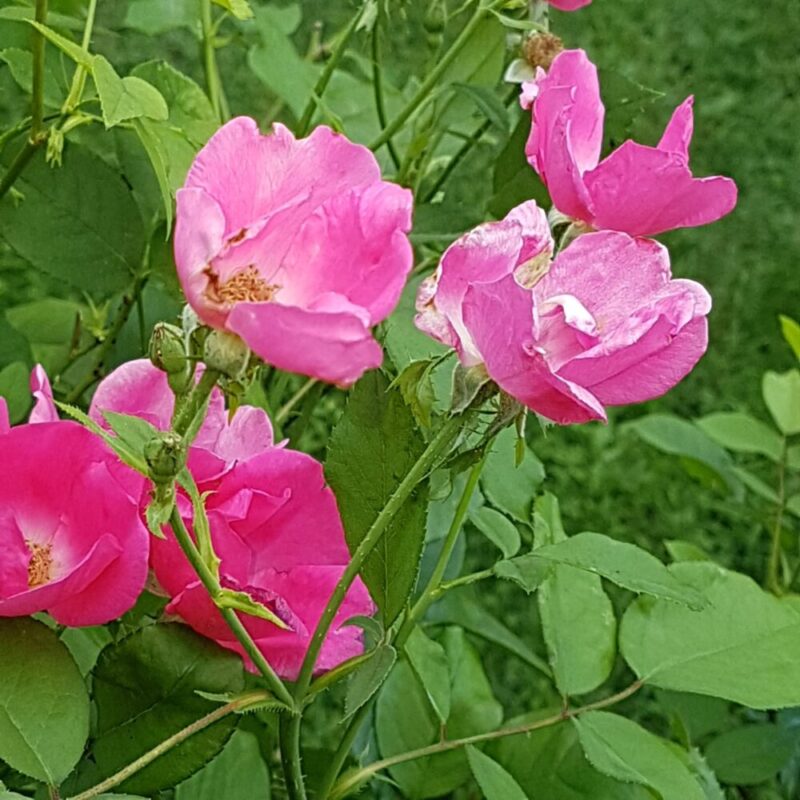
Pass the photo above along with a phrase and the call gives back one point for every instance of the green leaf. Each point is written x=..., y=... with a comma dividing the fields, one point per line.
x=145, y=690
x=20, y=64
x=526, y=571
x=369, y=677
x=429, y=661
x=624, y=564
x=624, y=100
x=490, y=105
x=416, y=385
x=467, y=382
x=405, y=719
x=624, y=750
x=751, y=754
x=153, y=17
x=371, y=450
x=744, y=646
x=127, y=98
x=495, y=782
x=79, y=224
x=549, y=764
x=791, y=332
x=276, y=62
x=782, y=395
x=757, y=486
x=159, y=160
x=85, y=645
x=70, y=48
x=498, y=529
x=678, y=437
x=509, y=487
x=742, y=433
x=579, y=628
x=681, y=550
x=239, y=8
x=239, y=771
x=14, y=388
x=44, y=705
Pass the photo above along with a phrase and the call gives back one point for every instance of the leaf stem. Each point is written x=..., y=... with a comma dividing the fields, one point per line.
x=433, y=78
x=213, y=587
x=37, y=90
x=287, y=407
x=79, y=76
x=327, y=73
x=377, y=86
x=158, y=751
x=353, y=781
x=210, y=59
x=773, y=566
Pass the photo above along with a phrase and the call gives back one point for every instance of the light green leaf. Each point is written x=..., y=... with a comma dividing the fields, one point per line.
x=757, y=486
x=239, y=771
x=624, y=564
x=417, y=387
x=14, y=389
x=782, y=395
x=160, y=162
x=369, y=677
x=498, y=529
x=791, y=332
x=44, y=705
x=20, y=64
x=495, y=782
x=742, y=433
x=429, y=661
x=239, y=8
x=79, y=224
x=624, y=750
x=153, y=17
x=127, y=98
x=744, y=646
x=371, y=450
x=793, y=505
x=509, y=487
x=526, y=571
x=70, y=48
x=681, y=550
x=751, y=754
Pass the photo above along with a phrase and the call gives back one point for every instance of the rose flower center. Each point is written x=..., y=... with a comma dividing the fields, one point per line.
x=40, y=565
x=245, y=286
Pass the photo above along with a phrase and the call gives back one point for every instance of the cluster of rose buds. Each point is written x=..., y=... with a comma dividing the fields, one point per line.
x=296, y=249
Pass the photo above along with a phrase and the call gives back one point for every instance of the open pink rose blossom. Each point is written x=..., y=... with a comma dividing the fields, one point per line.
x=637, y=189
x=71, y=539
x=297, y=246
x=601, y=325
x=569, y=5
x=276, y=528
x=274, y=524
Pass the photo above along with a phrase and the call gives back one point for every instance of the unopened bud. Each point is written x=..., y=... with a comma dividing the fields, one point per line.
x=226, y=353
x=165, y=455
x=435, y=19
x=541, y=48
x=167, y=351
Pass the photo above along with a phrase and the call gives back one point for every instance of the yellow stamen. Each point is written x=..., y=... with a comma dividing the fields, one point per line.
x=244, y=286
x=40, y=565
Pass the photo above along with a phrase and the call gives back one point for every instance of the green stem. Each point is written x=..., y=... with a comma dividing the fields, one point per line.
x=287, y=407
x=213, y=587
x=377, y=86
x=129, y=300
x=159, y=750
x=355, y=780
x=433, y=78
x=289, y=737
x=327, y=73
x=343, y=750
x=210, y=58
x=18, y=165
x=194, y=403
x=774, y=564
x=79, y=77
x=37, y=91
x=430, y=592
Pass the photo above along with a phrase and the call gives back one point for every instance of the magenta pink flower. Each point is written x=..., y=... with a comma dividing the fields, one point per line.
x=637, y=189
x=275, y=526
x=297, y=246
x=71, y=540
x=139, y=389
x=601, y=325
x=569, y=5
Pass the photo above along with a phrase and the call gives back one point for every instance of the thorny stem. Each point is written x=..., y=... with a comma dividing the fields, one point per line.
x=185, y=416
x=213, y=587
x=289, y=736
x=327, y=73
x=433, y=78
x=356, y=779
x=773, y=566
x=159, y=750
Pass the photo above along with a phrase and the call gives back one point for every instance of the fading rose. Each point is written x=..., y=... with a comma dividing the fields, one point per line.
x=296, y=246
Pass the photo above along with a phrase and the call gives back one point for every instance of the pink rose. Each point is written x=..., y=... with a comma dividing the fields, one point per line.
x=601, y=325
x=276, y=528
x=569, y=5
x=637, y=189
x=71, y=540
x=297, y=246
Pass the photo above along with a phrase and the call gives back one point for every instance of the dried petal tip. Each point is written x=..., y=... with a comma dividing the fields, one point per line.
x=541, y=48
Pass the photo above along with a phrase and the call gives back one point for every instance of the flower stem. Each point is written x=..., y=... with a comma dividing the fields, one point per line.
x=210, y=59
x=158, y=751
x=377, y=86
x=774, y=564
x=289, y=736
x=37, y=90
x=79, y=77
x=327, y=73
x=433, y=78
x=195, y=402
x=355, y=780
x=213, y=587
x=287, y=407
